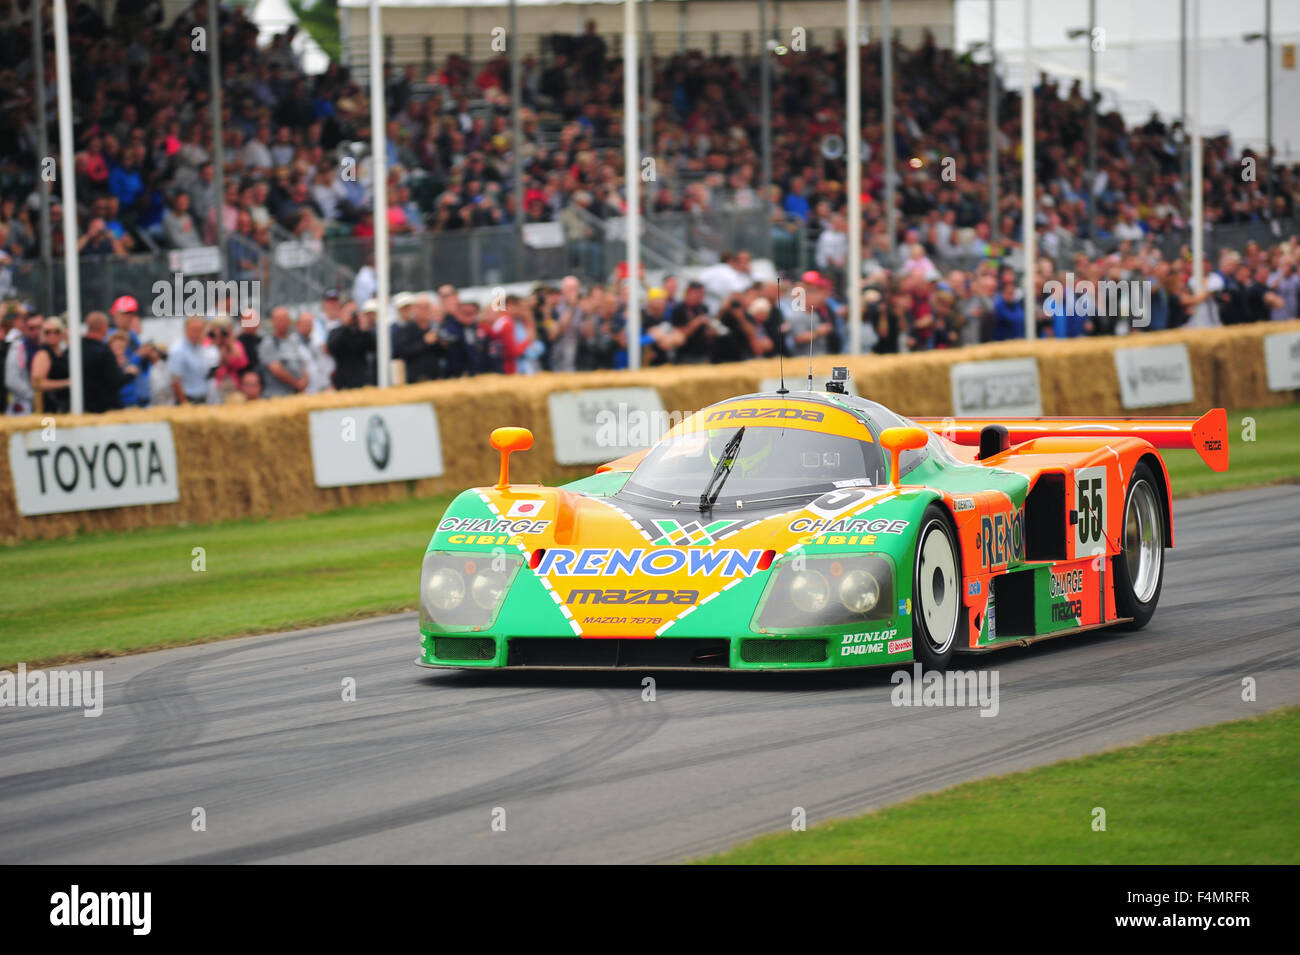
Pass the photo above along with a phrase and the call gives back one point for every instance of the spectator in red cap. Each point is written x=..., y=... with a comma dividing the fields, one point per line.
x=126, y=319
x=125, y=305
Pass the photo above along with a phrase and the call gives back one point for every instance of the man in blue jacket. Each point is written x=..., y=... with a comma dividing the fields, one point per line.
x=1008, y=314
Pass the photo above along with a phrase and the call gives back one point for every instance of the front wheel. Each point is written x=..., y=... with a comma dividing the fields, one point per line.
x=1139, y=567
x=936, y=591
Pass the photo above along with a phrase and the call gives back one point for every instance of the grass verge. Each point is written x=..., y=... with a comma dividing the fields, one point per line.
x=108, y=594
x=1225, y=794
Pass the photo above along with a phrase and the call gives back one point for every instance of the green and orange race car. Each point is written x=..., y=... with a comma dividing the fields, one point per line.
x=809, y=530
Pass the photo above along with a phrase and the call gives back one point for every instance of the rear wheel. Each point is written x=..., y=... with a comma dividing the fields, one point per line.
x=936, y=591
x=1139, y=567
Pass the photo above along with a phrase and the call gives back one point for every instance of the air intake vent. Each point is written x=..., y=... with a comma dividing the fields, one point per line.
x=604, y=653
x=464, y=648
x=783, y=651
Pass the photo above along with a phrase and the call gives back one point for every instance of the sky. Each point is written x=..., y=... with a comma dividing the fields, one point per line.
x=1139, y=69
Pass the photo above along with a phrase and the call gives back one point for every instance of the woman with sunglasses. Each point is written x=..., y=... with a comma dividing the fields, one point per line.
x=50, y=373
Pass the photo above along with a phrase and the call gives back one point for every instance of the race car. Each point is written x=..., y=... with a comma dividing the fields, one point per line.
x=811, y=530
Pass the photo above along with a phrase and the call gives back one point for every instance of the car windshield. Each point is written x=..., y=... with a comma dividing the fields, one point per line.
x=771, y=464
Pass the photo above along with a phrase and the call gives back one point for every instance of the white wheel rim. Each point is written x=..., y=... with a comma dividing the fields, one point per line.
x=936, y=582
x=1143, y=544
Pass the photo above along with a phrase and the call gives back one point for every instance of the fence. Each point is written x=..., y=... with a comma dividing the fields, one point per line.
x=429, y=51
x=294, y=271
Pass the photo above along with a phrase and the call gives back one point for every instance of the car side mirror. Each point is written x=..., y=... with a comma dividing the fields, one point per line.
x=507, y=441
x=898, y=440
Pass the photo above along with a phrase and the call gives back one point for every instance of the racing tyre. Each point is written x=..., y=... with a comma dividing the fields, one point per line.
x=1139, y=567
x=937, y=610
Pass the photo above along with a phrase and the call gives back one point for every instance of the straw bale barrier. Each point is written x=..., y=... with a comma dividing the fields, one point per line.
x=241, y=461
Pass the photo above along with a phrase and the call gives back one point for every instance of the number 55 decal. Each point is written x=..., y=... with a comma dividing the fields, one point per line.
x=1090, y=499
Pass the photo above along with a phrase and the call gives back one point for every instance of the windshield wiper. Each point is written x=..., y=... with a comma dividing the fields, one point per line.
x=721, y=471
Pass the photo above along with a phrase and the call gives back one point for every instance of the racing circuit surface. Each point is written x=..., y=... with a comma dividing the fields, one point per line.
x=255, y=732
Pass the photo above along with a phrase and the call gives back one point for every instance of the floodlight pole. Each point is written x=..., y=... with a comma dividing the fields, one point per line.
x=43, y=135
x=379, y=175
x=888, y=139
x=218, y=132
x=765, y=124
x=1027, y=181
x=71, y=255
x=993, y=121
x=632, y=186
x=853, y=142
x=1198, y=198
x=517, y=130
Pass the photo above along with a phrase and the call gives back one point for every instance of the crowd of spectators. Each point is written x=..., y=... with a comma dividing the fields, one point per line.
x=725, y=314
x=294, y=146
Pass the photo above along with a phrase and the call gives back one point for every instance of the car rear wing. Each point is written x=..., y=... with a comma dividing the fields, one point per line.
x=1207, y=435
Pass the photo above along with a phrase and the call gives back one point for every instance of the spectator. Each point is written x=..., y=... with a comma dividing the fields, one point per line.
x=192, y=360
x=811, y=326
x=125, y=315
x=249, y=336
x=399, y=316
x=893, y=321
x=564, y=326
x=320, y=366
x=250, y=387
x=103, y=370
x=366, y=285
x=18, y=363
x=284, y=356
x=154, y=355
x=419, y=342
x=1285, y=281
x=457, y=334
x=833, y=251
x=256, y=154
x=730, y=276
x=179, y=231
x=795, y=203
x=352, y=346
x=1008, y=314
x=692, y=320
x=510, y=334
x=231, y=357
x=97, y=240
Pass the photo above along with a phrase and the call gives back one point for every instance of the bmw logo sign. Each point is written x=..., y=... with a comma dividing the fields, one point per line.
x=378, y=444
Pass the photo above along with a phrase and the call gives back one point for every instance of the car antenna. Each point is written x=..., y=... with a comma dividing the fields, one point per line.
x=811, y=338
x=780, y=352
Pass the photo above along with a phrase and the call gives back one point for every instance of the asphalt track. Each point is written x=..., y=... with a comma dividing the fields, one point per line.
x=255, y=731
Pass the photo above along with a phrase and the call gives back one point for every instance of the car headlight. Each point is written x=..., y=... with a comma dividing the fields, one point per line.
x=818, y=592
x=464, y=591
x=809, y=591
x=859, y=590
x=445, y=589
x=488, y=588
